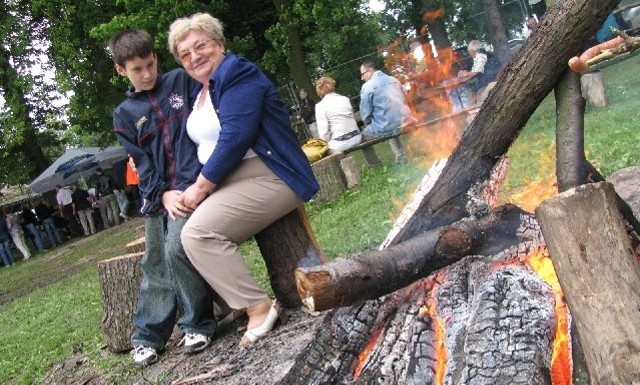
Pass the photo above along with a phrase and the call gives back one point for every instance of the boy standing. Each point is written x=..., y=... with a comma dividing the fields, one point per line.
x=150, y=124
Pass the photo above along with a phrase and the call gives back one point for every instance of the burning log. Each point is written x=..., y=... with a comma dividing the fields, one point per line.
x=530, y=75
x=599, y=274
x=350, y=280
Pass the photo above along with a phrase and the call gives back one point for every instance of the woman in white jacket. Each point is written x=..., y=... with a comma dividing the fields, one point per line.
x=17, y=234
x=334, y=117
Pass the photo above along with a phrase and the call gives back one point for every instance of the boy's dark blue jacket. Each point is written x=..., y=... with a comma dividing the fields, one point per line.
x=252, y=116
x=151, y=125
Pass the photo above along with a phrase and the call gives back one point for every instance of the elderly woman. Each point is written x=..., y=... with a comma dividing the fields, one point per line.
x=254, y=170
x=334, y=117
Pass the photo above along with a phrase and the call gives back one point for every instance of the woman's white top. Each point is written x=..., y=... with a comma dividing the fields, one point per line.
x=203, y=127
x=334, y=116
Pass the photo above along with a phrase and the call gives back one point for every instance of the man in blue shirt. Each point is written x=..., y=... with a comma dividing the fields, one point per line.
x=383, y=107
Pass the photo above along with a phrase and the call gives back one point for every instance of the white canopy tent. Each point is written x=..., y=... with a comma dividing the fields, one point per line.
x=76, y=163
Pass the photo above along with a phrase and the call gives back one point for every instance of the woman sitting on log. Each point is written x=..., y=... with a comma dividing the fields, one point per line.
x=334, y=117
x=253, y=172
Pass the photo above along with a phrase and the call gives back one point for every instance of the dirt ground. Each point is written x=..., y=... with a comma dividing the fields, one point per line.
x=263, y=363
x=224, y=362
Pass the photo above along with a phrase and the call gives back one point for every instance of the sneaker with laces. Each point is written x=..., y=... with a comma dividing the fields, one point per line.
x=194, y=343
x=144, y=356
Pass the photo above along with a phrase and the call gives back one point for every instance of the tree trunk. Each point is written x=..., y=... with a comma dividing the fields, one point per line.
x=531, y=74
x=135, y=246
x=496, y=29
x=599, y=275
x=571, y=164
x=120, y=279
x=350, y=280
x=330, y=177
x=297, y=66
x=285, y=245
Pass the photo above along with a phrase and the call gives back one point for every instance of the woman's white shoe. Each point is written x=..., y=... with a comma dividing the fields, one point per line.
x=266, y=326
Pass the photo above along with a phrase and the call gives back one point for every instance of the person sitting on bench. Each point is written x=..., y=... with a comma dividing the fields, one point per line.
x=334, y=117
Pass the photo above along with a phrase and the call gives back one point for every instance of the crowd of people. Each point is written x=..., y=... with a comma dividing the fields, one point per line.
x=37, y=229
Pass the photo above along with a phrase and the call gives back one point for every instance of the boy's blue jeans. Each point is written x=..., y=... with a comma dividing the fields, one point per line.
x=169, y=277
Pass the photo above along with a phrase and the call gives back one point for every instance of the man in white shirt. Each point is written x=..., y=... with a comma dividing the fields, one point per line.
x=63, y=196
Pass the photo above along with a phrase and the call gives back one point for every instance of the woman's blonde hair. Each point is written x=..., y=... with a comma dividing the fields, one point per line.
x=325, y=85
x=198, y=21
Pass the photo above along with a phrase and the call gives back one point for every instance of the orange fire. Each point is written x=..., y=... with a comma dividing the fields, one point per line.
x=429, y=310
x=362, y=356
x=561, y=363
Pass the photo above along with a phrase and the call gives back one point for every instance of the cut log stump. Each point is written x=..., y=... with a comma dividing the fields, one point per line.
x=120, y=279
x=330, y=178
x=349, y=167
x=135, y=246
x=593, y=89
x=599, y=275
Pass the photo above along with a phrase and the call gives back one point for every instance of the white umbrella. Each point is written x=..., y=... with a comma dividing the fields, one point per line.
x=74, y=164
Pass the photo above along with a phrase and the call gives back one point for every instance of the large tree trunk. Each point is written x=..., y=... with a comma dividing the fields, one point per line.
x=496, y=29
x=531, y=74
x=599, y=274
x=297, y=66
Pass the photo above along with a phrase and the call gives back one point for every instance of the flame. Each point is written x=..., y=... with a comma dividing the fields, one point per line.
x=535, y=191
x=429, y=309
x=561, y=363
x=364, y=354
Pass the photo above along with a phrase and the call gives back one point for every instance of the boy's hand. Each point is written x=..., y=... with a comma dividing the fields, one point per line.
x=197, y=192
x=171, y=202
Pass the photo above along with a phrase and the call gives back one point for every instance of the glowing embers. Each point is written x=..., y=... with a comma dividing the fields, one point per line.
x=561, y=362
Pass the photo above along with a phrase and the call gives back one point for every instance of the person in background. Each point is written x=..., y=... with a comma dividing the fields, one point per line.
x=254, y=170
x=485, y=70
x=81, y=204
x=131, y=181
x=104, y=186
x=30, y=221
x=64, y=199
x=383, y=108
x=5, y=243
x=307, y=111
x=123, y=204
x=17, y=234
x=166, y=162
x=44, y=213
x=334, y=117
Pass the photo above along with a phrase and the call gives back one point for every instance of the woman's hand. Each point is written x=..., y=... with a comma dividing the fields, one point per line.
x=171, y=202
x=197, y=192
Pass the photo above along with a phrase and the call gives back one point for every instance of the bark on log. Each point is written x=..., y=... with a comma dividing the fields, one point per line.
x=135, y=246
x=285, y=245
x=599, y=275
x=351, y=173
x=120, y=279
x=330, y=178
x=571, y=164
x=350, y=280
x=593, y=89
x=531, y=74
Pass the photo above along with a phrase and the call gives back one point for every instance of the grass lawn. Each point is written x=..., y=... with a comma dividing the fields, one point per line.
x=47, y=325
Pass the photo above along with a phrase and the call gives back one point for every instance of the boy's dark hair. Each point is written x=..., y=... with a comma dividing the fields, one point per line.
x=129, y=44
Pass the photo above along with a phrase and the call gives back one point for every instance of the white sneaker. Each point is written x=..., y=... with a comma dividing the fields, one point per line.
x=144, y=356
x=194, y=343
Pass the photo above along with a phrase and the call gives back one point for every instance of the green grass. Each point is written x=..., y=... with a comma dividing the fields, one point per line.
x=44, y=327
